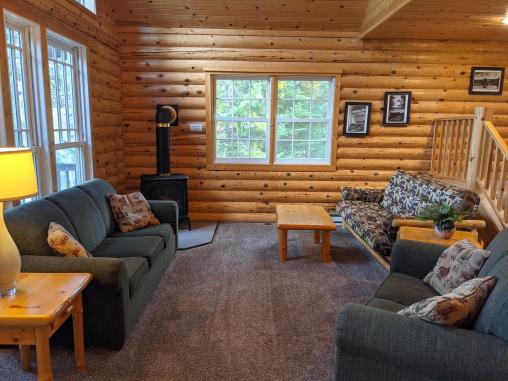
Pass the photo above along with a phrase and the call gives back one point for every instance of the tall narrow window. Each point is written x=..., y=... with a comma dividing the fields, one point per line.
x=67, y=121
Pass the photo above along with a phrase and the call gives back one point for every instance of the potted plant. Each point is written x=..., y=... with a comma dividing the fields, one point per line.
x=443, y=216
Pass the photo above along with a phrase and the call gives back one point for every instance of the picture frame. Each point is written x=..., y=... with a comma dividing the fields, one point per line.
x=397, y=108
x=357, y=118
x=486, y=81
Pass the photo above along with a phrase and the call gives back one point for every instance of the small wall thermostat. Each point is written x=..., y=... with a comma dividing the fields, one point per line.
x=196, y=127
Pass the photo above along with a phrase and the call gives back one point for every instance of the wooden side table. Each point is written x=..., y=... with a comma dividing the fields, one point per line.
x=42, y=303
x=429, y=236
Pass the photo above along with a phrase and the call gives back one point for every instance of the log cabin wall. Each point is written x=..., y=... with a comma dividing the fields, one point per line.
x=161, y=65
x=97, y=33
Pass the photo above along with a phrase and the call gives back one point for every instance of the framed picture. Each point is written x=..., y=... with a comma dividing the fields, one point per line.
x=357, y=118
x=486, y=80
x=397, y=108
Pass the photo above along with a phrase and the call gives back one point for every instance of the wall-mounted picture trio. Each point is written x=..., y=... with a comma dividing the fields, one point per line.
x=397, y=104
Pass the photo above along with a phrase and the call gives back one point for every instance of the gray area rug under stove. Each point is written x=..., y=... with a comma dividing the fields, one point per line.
x=202, y=233
x=230, y=311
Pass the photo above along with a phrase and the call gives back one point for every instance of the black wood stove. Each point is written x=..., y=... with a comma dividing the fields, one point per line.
x=165, y=185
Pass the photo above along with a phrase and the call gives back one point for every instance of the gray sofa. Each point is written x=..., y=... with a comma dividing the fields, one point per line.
x=374, y=343
x=127, y=267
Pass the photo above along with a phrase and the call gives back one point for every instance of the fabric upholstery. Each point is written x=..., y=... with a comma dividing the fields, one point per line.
x=387, y=305
x=404, y=289
x=457, y=308
x=63, y=243
x=136, y=268
x=84, y=214
x=456, y=265
x=498, y=248
x=122, y=247
x=414, y=258
x=98, y=190
x=165, y=231
x=131, y=211
x=366, y=219
x=362, y=194
x=28, y=225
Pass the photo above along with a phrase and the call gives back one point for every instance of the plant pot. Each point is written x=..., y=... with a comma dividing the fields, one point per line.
x=444, y=234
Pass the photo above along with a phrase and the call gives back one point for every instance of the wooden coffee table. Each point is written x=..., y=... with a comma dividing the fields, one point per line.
x=428, y=235
x=42, y=303
x=304, y=217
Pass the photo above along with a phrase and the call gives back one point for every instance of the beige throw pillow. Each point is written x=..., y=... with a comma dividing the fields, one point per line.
x=132, y=211
x=456, y=265
x=63, y=243
x=459, y=308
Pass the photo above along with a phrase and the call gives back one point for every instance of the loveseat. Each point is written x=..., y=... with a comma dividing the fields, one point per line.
x=369, y=213
x=127, y=267
x=375, y=343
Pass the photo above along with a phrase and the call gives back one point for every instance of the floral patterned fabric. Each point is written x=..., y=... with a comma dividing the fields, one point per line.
x=408, y=194
x=362, y=194
x=366, y=219
x=63, y=243
x=132, y=211
x=458, y=308
x=458, y=264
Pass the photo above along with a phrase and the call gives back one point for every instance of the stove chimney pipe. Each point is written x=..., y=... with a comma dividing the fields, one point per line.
x=166, y=117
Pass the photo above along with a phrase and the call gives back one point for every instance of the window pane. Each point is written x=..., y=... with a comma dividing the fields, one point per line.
x=241, y=119
x=303, y=125
x=69, y=167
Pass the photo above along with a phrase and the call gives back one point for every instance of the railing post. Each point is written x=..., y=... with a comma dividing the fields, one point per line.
x=474, y=148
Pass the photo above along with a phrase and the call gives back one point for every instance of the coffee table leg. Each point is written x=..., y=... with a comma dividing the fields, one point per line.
x=25, y=356
x=77, y=326
x=325, y=254
x=283, y=245
x=43, y=355
x=317, y=236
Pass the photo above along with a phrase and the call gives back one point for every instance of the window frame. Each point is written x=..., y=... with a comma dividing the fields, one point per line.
x=273, y=164
x=83, y=3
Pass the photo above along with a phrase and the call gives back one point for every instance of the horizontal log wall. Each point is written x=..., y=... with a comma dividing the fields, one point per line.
x=161, y=65
x=97, y=33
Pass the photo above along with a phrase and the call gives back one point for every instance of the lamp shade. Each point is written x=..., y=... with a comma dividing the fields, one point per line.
x=17, y=174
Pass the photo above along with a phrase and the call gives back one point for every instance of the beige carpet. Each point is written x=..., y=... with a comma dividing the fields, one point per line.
x=230, y=311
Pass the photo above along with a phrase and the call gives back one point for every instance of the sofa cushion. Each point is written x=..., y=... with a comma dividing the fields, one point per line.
x=498, y=248
x=404, y=289
x=132, y=211
x=493, y=318
x=145, y=247
x=63, y=243
x=137, y=268
x=409, y=193
x=362, y=194
x=165, y=231
x=84, y=214
x=98, y=190
x=28, y=225
x=386, y=305
x=366, y=219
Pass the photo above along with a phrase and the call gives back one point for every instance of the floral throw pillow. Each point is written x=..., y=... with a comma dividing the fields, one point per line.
x=132, y=211
x=458, y=308
x=63, y=243
x=457, y=264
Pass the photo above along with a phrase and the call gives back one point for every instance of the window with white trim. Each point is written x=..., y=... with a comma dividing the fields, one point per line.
x=88, y=4
x=301, y=129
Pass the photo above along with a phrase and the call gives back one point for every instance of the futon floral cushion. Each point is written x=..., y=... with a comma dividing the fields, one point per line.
x=131, y=211
x=366, y=219
x=456, y=265
x=409, y=193
x=362, y=194
x=63, y=243
x=458, y=308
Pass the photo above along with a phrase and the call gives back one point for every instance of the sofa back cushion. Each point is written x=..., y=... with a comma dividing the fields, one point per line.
x=84, y=214
x=28, y=225
x=98, y=190
x=498, y=248
x=408, y=193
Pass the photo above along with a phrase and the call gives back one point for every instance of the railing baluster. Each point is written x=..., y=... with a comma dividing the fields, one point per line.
x=495, y=169
x=501, y=184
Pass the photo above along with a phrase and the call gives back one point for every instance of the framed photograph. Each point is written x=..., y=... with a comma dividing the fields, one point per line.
x=486, y=81
x=357, y=118
x=397, y=108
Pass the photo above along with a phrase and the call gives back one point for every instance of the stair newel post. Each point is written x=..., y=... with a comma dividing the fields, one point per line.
x=474, y=147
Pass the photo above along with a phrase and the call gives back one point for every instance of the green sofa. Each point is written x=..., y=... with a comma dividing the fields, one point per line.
x=375, y=343
x=127, y=267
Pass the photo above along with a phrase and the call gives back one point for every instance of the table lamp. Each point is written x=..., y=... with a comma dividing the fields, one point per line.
x=17, y=181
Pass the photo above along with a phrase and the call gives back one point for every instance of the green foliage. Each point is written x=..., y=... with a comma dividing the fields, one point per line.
x=443, y=215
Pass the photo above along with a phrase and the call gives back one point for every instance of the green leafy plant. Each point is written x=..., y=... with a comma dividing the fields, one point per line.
x=443, y=215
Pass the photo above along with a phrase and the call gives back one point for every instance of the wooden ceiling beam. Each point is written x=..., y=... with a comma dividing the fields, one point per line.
x=378, y=12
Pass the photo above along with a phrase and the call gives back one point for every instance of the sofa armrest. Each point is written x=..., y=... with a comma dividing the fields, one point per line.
x=465, y=224
x=414, y=258
x=362, y=194
x=371, y=341
x=167, y=212
x=107, y=272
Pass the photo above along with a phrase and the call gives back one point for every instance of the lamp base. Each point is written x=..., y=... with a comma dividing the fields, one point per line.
x=4, y=294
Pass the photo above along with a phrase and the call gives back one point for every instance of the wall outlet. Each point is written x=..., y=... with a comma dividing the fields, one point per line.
x=196, y=127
